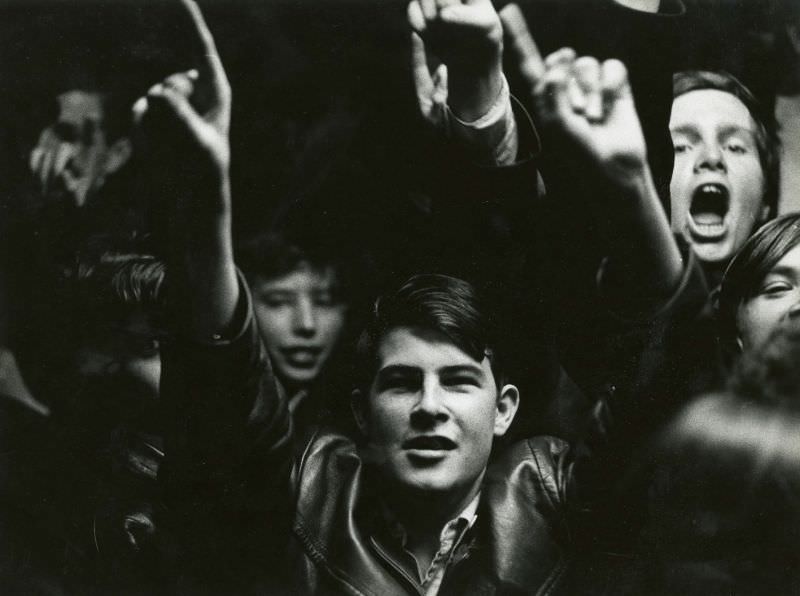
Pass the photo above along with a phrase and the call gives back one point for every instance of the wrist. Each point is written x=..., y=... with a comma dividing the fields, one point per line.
x=472, y=93
x=630, y=173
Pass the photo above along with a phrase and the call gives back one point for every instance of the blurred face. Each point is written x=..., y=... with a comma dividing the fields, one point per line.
x=122, y=364
x=301, y=318
x=777, y=300
x=73, y=155
x=432, y=413
x=717, y=187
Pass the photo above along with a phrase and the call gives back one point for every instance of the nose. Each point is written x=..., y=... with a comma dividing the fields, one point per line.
x=305, y=320
x=429, y=408
x=794, y=311
x=711, y=159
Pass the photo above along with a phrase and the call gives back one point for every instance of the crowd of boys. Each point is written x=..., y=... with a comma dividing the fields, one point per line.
x=568, y=367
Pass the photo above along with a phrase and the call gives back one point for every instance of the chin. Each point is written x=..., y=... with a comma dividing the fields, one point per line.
x=428, y=486
x=718, y=253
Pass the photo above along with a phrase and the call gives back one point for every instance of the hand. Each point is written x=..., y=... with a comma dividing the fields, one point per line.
x=48, y=158
x=462, y=42
x=586, y=102
x=194, y=107
x=189, y=113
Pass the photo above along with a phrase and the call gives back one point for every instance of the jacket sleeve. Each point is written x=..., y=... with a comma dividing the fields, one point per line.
x=228, y=454
x=658, y=362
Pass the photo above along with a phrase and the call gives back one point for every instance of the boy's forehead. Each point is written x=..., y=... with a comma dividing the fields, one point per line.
x=705, y=106
x=301, y=277
x=423, y=348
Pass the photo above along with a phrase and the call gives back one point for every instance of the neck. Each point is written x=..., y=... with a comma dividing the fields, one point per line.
x=424, y=514
x=714, y=272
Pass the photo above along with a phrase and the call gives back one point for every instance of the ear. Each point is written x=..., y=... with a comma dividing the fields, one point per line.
x=358, y=407
x=507, y=404
x=118, y=155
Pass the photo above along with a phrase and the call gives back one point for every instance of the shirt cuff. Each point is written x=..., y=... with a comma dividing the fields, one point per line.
x=492, y=138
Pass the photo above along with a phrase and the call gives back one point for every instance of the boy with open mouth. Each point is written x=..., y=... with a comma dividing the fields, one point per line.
x=725, y=177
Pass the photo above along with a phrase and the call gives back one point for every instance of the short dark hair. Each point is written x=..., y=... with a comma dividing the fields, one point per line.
x=749, y=266
x=767, y=140
x=434, y=302
x=272, y=254
x=109, y=287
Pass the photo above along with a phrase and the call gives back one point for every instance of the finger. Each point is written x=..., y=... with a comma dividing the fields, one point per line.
x=615, y=85
x=44, y=170
x=139, y=109
x=179, y=106
x=429, y=10
x=416, y=19
x=439, y=95
x=441, y=4
x=552, y=93
x=466, y=16
x=35, y=160
x=62, y=157
x=531, y=65
x=559, y=57
x=419, y=64
x=587, y=77
x=182, y=82
x=219, y=79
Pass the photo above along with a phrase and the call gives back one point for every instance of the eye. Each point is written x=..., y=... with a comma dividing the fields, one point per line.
x=463, y=381
x=736, y=147
x=325, y=299
x=399, y=384
x=681, y=147
x=775, y=288
x=276, y=300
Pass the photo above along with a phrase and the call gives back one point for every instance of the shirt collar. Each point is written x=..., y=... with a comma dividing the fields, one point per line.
x=396, y=530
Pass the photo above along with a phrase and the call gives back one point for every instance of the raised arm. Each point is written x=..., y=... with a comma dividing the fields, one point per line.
x=587, y=110
x=228, y=453
x=456, y=58
x=194, y=108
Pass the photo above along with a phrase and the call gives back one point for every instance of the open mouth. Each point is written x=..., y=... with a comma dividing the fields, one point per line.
x=710, y=203
x=305, y=357
x=429, y=443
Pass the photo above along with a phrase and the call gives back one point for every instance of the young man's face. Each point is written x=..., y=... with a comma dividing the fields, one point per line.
x=301, y=319
x=432, y=413
x=717, y=187
x=777, y=298
x=73, y=155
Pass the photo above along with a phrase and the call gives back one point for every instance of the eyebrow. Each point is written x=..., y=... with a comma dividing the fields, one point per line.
x=454, y=369
x=725, y=129
x=685, y=129
x=398, y=369
x=732, y=129
x=461, y=369
x=783, y=270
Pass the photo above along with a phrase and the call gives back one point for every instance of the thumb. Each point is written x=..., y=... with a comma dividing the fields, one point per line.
x=419, y=66
x=523, y=46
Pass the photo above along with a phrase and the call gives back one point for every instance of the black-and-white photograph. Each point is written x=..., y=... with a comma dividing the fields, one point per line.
x=399, y=297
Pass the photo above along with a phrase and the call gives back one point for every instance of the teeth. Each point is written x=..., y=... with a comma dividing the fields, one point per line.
x=716, y=228
x=711, y=188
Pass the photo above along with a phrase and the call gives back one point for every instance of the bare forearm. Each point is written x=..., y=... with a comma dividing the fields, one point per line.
x=203, y=259
x=643, y=254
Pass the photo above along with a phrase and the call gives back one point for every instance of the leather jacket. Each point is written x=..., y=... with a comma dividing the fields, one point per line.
x=301, y=526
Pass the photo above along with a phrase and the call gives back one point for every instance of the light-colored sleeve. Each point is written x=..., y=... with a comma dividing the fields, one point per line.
x=491, y=139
